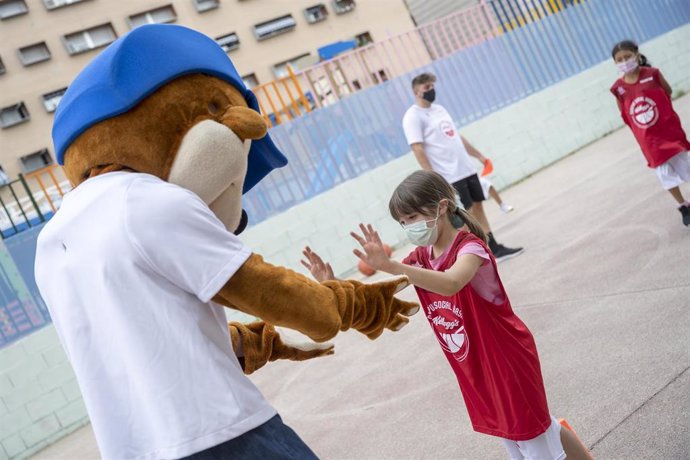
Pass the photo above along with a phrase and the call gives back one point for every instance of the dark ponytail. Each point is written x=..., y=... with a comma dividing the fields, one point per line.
x=460, y=217
x=644, y=62
x=629, y=45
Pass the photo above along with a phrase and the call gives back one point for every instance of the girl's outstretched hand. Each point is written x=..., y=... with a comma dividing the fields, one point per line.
x=374, y=255
x=320, y=270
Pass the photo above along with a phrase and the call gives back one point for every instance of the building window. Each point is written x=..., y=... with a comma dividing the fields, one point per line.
x=34, y=54
x=205, y=5
x=363, y=39
x=55, y=4
x=229, y=42
x=12, y=8
x=250, y=81
x=2, y=67
x=36, y=160
x=316, y=13
x=274, y=27
x=161, y=15
x=280, y=70
x=52, y=99
x=343, y=6
x=89, y=39
x=13, y=115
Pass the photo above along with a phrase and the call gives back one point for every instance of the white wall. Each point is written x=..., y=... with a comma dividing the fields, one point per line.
x=40, y=400
x=520, y=139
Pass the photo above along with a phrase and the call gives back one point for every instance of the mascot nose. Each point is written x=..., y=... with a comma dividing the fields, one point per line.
x=244, y=220
x=245, y=122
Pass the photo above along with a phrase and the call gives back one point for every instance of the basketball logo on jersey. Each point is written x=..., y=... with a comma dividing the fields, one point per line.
x=446, y=320
x=447, y=128
x=644, y=112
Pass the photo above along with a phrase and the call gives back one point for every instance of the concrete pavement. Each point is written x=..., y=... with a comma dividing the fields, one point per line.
x=604, y=285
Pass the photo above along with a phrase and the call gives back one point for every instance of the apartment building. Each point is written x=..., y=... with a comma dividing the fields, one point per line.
x=45, y=43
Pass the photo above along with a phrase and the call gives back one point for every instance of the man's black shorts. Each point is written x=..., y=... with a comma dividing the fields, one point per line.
x=470, y=191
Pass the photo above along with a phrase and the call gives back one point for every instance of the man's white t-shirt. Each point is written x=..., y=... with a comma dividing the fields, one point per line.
x=434, y=128
x=127, y=267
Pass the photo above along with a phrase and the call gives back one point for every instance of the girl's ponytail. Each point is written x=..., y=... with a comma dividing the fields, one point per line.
x=644, y=62
x=460, y=217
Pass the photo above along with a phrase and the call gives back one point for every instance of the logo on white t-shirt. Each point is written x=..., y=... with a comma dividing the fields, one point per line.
x=644, y=112
x=447, y=128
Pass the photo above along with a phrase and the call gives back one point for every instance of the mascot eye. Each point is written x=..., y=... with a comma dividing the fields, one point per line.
x=213, y=108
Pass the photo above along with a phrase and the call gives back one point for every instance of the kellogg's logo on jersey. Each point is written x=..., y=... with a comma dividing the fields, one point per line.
x=644, y=112
x=446, y=319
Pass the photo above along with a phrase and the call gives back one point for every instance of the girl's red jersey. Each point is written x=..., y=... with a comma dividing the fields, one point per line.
x=491, y=351
x=647, y=110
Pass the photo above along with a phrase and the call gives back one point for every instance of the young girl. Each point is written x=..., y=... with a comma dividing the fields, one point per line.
x=644, y=99
x=491, y=351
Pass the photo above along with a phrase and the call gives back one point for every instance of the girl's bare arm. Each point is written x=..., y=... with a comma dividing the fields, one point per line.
x=445, y=283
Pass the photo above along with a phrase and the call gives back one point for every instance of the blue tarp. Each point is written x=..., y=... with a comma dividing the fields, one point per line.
x=335, y=48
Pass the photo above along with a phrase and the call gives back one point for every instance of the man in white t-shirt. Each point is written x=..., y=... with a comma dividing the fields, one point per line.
x=438, y=146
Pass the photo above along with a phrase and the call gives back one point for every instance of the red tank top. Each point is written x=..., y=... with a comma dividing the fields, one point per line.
x=648, y=111
x=491, y=351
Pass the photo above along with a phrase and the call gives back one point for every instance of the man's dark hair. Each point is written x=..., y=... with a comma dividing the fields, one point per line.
x=423, y=79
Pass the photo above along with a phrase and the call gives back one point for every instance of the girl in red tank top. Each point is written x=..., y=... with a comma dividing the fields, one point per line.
x=644, y=99
x=490, y=350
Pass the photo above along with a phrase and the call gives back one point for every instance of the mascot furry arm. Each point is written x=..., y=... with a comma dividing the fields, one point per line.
x=166, y=100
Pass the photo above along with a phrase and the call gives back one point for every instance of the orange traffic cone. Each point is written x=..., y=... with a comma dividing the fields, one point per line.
x=567, y=426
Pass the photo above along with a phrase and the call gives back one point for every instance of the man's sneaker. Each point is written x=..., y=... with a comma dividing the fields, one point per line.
x=506, y=208
x=504, y=253
x=685, y=212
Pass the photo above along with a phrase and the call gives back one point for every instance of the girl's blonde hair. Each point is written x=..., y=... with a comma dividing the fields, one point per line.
x=421, y=192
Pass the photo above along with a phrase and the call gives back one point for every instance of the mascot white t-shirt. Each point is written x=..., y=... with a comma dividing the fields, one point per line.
x=157, y=370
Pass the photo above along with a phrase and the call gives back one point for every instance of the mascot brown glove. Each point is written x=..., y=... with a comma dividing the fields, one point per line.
x=257, y=343
x=270, y=293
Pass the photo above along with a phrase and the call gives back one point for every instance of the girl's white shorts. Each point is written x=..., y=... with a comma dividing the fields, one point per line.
x=546, y=446
x=675, y=171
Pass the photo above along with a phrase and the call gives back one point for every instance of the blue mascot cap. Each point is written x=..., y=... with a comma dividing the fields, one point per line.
x=136, y=65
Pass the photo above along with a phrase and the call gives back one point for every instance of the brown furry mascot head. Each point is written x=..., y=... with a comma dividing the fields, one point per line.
x=165, y=100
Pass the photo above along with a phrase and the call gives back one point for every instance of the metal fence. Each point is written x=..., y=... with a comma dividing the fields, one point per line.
x=22, y=309
x=26, y=203
x=337, y=142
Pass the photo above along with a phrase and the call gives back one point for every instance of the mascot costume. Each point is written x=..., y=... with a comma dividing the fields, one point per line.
x=160, y=139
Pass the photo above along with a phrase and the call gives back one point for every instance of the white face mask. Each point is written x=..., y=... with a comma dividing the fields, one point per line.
x=420, y=234
x=627, y=66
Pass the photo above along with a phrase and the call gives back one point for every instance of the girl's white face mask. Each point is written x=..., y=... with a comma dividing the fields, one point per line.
x=420, y=233
x=627, y=66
